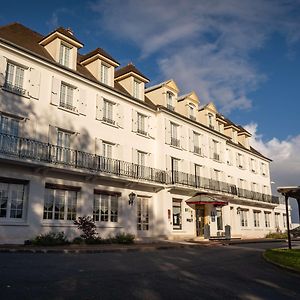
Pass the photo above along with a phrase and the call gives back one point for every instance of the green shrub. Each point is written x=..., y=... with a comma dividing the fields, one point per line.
x=50, y=239
x=276, y=235
x=124, y=238
x=78, y=240
x=87, y=225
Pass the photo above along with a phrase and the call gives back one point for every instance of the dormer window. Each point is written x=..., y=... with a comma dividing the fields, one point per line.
x=210, y=121
x=170, y=104
x=136, y=89
x=192, y=112
x=64, y=55
x=104, y=74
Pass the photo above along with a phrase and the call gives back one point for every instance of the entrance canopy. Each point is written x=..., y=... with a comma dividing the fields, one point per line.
x=209, y=198
x=290, y=191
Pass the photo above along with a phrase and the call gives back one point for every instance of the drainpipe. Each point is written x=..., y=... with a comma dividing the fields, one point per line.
x=288, y=220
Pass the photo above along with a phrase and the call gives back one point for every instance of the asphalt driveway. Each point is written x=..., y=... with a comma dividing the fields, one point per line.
x=218, y=272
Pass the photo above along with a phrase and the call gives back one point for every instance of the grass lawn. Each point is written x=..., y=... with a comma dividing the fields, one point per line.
x=285, y=257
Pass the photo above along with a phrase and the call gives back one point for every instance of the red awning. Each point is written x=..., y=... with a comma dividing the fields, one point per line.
x=206, y=198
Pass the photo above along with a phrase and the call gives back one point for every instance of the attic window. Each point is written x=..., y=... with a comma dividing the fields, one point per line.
x=104, y=74
x=210, y=121
x=170, y=104
x=136, y=89
x=64, y=55
x=192, y=112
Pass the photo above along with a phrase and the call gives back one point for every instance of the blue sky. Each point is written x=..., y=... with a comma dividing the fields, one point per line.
x=242, y=55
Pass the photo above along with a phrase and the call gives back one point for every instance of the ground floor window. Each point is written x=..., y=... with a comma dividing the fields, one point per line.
x=277, y=220
x=12, y=200
x=142, y=213
x=267, y=219
x=244, y=217
x=177, y=214
x=284, y=221
x=219, y=218
x=60, y=203
x=105, y=207
x=256, y=215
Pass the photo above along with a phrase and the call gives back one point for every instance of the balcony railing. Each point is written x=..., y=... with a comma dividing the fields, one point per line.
x=170, y=107
x=175, y=142
x=14, y=88
x=35, y=151
x=67, y=106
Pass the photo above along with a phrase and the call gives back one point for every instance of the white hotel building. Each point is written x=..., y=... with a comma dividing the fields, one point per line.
x=81, y=136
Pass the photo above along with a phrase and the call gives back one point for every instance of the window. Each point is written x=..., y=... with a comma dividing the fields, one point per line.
x=216, y=154
x=9, y=132
x=277, y=220
x=63, y=146
x=136, y=89
x=141, y=124
x=64, y=55
x=252, y=165
x=142, y=158
x=107, y=149
x=12, y=200
x=105, y=208
x=263, y=169
x=228, y=157
x=196, y=139
x=66, y=97
x=284, y=220
x=198, y=174
x=256, y=216
x=177, y=214
x=265, y=190
x=210, y=121
x=142, y=213
x=267, y=219
x=240, y=160
x=175, y=169
x=174, y=135
x=14, y=80
x=104, y=74
x=192, y=109
x=170, y=104
x=254, y=186
x=60, y=204
x=244, y=217
x=216, y=176
x=219, y=218
x=108, y=111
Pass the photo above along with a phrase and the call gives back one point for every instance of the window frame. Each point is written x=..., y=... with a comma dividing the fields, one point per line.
x=108, y=112
x=141, y=124
x=66, y=97
x=65, y=55
x=104, y=73
x=104, y=213
x=12, y=84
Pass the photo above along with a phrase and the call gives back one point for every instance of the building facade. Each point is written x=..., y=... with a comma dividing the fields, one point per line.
x=80, y=135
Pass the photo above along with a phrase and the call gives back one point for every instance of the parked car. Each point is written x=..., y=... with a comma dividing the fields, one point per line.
x=295, y=233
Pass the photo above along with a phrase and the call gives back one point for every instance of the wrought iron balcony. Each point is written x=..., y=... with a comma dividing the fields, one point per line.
x=170, y=107
x=67, y=106
x=35, y=151
x=175, y=142
x=108, y=120
x=14, y=88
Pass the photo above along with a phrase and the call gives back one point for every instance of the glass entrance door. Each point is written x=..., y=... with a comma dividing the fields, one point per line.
x=200, y=220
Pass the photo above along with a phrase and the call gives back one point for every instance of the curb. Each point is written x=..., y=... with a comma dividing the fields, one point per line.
x=279, y=265
x=109, y=250
x=254, y=241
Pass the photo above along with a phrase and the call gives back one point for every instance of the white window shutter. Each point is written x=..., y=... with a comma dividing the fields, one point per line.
x=120, y=115
x=3, y=63
x=183, y=137
x=55, y=91
x=168, y=131
x=134, y=156
x=30, y=129
x=34, y=86
x=204, y=146
x=151, y=127
x=99, y=107
x=52, y=135
x=98, y=146
x=119, y=151
x=191, y=140
x=150, y=160
x=222, y=156
x=82, y=105
x=211, y=148
x=134, y=120
x=168, y=162
x=192, y=168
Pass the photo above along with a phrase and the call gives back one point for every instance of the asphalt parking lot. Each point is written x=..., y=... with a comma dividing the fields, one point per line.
x=218, y=272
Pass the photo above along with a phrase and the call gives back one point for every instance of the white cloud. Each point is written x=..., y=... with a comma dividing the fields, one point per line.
x=285, y=167
x=204, y=45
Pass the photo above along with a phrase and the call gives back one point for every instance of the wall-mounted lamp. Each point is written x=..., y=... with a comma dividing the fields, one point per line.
x=131, y=196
